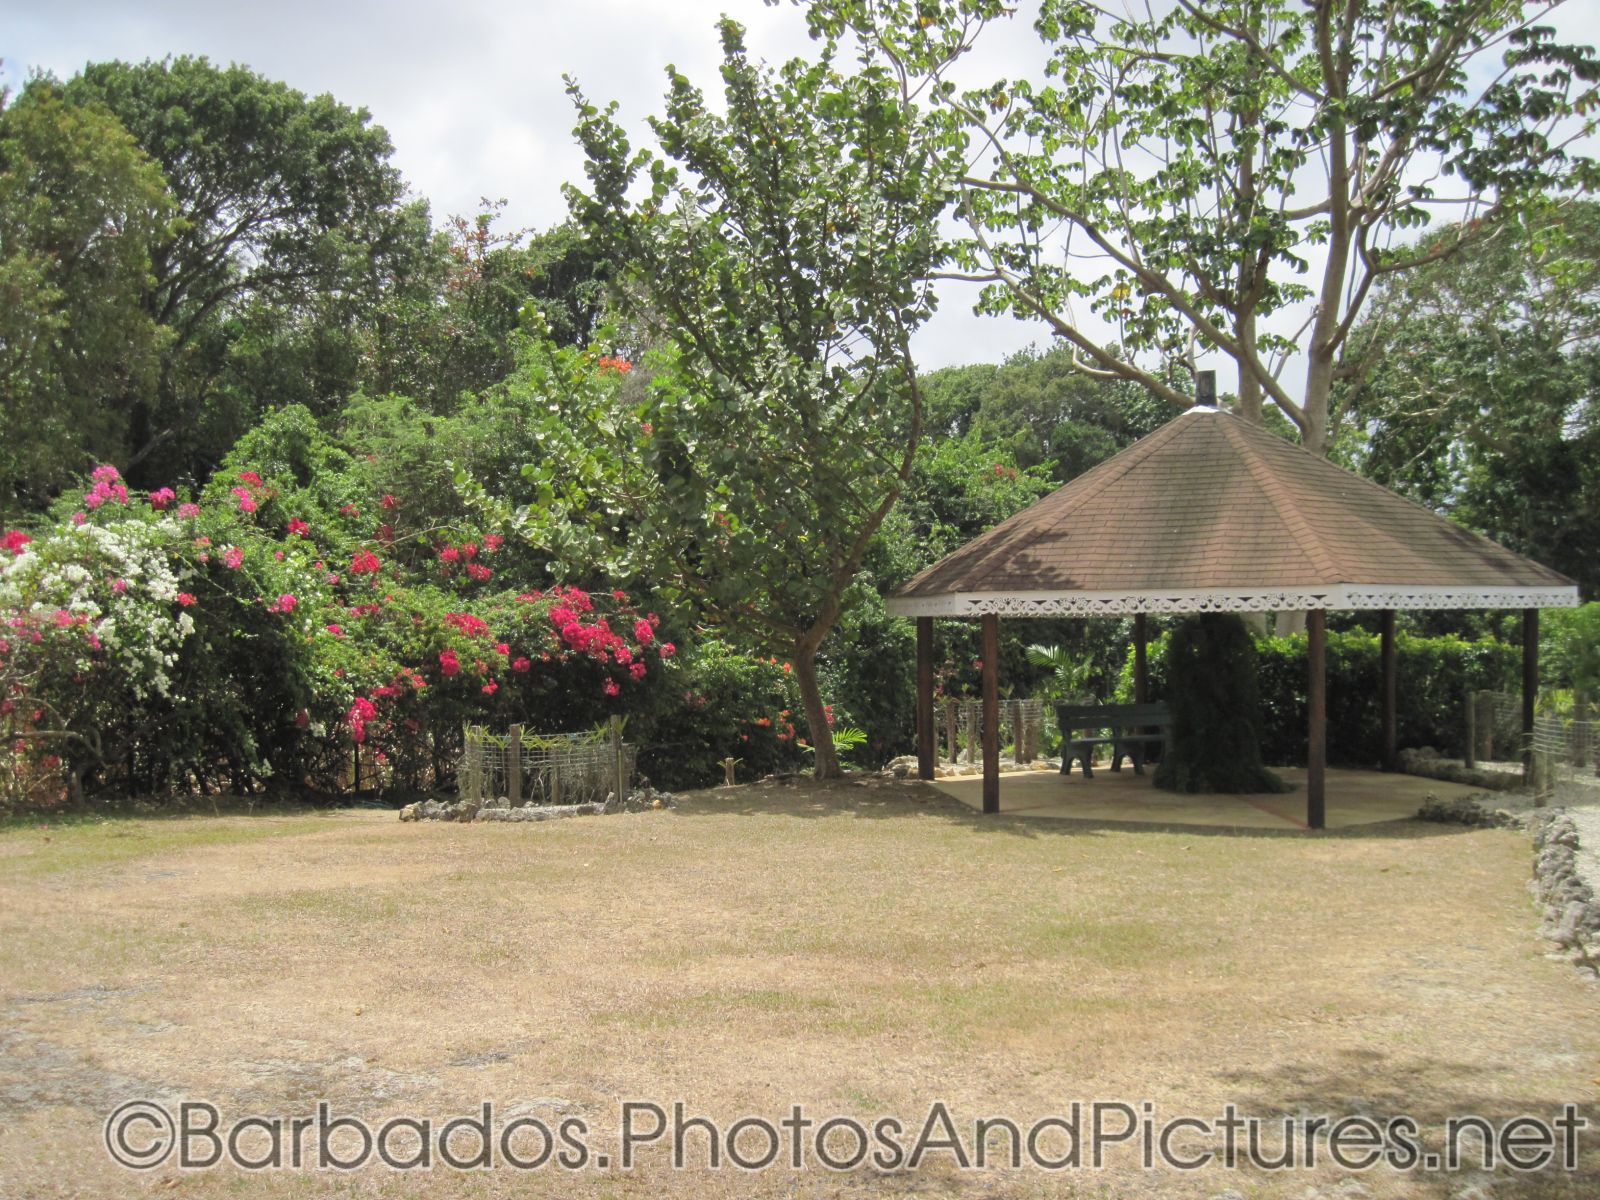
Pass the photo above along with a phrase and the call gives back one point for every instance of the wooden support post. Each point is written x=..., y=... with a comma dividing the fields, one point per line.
x=1316, y=717
x=514, y=766
x=619, y=761
x=1391, y=694
x=555, y=772
x=927, y=751
x=1530, y=686
x=991, y=713
x=1471, y=757
x=1141, y=670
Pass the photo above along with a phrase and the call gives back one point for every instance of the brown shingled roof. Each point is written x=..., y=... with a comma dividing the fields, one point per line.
x=1211, y=506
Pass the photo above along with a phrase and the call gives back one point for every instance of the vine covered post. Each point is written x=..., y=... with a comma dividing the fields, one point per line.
x=1391, y=699
x=514, y=766
x=1316, y=716
x=1530, y=686
x=926, y=749
x=991, y=713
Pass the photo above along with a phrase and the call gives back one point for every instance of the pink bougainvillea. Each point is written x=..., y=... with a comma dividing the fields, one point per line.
x=365, y=562
x=233, y=558
x=298, y=528
x=162, y=498
x=284, y=603
x=16, y=541
x=449, y=663
x=108, y=485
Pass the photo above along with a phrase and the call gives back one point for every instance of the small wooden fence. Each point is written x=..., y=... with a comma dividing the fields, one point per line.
x=535, y=768
x=1023, y=719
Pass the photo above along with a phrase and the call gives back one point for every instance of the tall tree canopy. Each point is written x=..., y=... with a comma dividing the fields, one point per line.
x=1484, y=398
x=289, y=209
x=785, y=259
x=1233, y=176
x=81, y=210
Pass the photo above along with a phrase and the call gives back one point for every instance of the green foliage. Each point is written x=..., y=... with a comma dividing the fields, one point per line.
x=292, y=220
x=786, y=255
x=1068, y=680
x=1434, y=676
x=81, y=209
x=1215, y=745
x=1041, y=411
x=1175, y=170
x=291, y=613
x=722, y=703
x=1570, y=649
x=1483, y=400
x=449, y=330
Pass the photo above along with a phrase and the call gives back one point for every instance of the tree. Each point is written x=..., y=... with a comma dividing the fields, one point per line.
x=783, y=270
x=450, y=328
x=1482, y=402
x=80, y=210
x=1043, y=410
x=289, y=212
x=1178, y=176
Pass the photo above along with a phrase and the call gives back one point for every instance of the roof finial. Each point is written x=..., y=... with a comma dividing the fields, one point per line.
x=1205, y=389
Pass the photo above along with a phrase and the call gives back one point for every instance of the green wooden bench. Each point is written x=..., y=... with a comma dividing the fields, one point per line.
x=1129, y=729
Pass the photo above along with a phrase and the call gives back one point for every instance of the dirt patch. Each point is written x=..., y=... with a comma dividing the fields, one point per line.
x=863, y=951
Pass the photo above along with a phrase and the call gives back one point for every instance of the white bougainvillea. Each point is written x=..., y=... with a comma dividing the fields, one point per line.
x=101, y=588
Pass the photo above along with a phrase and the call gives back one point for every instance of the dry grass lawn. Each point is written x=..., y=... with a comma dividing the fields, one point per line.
x=858, y=950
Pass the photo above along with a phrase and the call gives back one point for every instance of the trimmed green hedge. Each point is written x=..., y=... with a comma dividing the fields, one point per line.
x=1435, y=675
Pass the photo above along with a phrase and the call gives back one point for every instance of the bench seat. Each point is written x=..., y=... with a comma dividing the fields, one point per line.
x=1129, y=729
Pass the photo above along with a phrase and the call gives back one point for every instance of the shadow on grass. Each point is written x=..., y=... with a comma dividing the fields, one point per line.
x=1433, y=1092
x=877, y=800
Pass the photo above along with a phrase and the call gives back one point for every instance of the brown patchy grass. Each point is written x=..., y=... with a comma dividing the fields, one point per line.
x=858, y=950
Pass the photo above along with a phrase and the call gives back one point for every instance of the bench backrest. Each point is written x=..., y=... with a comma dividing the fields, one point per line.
x=1070, y=717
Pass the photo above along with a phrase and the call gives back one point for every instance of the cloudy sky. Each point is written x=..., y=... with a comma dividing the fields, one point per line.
x=471, y=93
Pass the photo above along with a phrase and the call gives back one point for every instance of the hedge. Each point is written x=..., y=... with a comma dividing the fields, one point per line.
x=1434, y=676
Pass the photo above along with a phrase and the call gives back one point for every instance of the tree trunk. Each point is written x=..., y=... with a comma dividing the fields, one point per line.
x=805, y=670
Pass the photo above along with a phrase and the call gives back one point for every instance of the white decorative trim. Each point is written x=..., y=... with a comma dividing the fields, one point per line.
x=1185, y=600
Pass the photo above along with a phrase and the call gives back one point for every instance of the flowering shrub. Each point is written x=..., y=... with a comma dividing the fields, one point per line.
x=723, y=703
x=218, y=643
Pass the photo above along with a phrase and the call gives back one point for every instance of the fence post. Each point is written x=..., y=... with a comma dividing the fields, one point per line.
x=618, y=761
x=514, y=766
x=950, y=729
x=1580, y=730
x=555, y=772
x=1471, y=757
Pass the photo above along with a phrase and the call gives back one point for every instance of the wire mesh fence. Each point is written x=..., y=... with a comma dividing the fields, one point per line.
x=1494, y=728
x=547, y=768
x=1565, y=767
x=960, y=721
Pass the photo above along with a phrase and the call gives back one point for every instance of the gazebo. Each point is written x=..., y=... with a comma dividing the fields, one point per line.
x=1213, y=514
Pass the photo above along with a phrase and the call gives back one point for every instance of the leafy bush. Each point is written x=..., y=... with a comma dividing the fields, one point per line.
x=723, y=703
x=1434, y=676
x=1216, y=710
x=283, y=621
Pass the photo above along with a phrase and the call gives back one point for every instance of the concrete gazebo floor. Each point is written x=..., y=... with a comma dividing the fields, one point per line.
x=1354, y=798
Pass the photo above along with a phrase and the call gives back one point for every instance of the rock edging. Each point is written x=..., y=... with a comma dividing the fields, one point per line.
x=643, y=800
x=1478, y=811
x=1571, y=915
